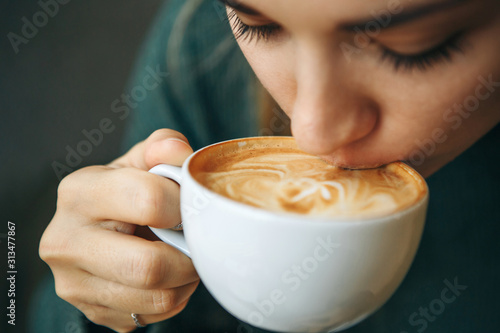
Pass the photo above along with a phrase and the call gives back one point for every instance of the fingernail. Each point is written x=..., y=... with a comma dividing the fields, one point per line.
x=178, y=140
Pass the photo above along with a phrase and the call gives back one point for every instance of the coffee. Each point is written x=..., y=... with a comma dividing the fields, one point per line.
x=274, y=174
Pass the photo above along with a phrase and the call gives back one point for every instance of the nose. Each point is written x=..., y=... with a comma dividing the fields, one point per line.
x=331, y=110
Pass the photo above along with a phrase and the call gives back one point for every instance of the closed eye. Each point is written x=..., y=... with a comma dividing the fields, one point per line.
x=250, y=32
x=426, y=59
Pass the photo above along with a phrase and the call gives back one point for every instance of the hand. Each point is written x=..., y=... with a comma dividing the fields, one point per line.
x=104, y=260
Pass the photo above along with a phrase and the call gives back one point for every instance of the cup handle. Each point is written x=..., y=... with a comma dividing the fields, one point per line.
x=171, y=237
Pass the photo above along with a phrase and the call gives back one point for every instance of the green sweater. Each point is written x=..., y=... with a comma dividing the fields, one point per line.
x=208, y=94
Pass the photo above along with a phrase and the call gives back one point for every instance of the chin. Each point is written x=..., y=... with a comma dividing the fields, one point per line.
x=431, y=166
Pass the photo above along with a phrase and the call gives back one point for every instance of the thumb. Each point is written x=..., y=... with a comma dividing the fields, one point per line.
x=163, y=146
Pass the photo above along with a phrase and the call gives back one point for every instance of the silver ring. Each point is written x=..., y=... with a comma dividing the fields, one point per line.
x=136, y=320
x=178, y=227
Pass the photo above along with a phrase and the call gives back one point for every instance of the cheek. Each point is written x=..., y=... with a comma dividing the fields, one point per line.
x=274, y=66
x=430, y=117
x=451, y=107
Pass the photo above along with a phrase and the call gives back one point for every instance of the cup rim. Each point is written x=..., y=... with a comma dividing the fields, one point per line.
x=303, y=218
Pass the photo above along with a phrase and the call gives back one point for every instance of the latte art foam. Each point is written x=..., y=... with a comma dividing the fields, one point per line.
x=288, y=180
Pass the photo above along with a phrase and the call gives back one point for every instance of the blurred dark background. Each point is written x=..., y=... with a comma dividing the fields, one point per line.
x=61, y=80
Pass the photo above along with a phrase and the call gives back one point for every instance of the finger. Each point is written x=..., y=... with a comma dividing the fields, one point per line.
x=149, y=302
x=127, y=194
x=121, y=321
x=163, y=146
x=132, y=261
x=76, y=286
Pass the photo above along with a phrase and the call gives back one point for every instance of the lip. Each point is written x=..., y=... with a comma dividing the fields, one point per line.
x=362, y=154
x=351, y=163
x=287, y=218
x=321, y=219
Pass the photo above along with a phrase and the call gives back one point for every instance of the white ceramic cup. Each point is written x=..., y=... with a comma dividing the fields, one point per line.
x=286, y=272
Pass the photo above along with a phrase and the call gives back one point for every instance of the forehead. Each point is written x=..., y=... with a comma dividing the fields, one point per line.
x=334, y=12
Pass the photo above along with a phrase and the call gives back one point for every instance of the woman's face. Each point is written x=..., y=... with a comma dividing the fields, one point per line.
x=369, y=82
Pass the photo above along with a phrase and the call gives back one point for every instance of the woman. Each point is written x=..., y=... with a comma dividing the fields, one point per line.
x=363, y=84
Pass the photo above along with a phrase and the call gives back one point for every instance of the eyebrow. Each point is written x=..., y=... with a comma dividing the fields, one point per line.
x=405, y=16
x=238, y=6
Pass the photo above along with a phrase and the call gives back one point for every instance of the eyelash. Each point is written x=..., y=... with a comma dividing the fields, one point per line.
x=249, y=32
x=422, y=61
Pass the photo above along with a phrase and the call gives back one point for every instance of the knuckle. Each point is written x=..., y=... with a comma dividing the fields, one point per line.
x=149, y=200
x=52, y=247
x=70, y=188
x=148, y=268
x=65, y=291
x=66, y=189
x=181, y=306
x=163, y=301
x=88, y=311
x=45, y=250
x=46, y=253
